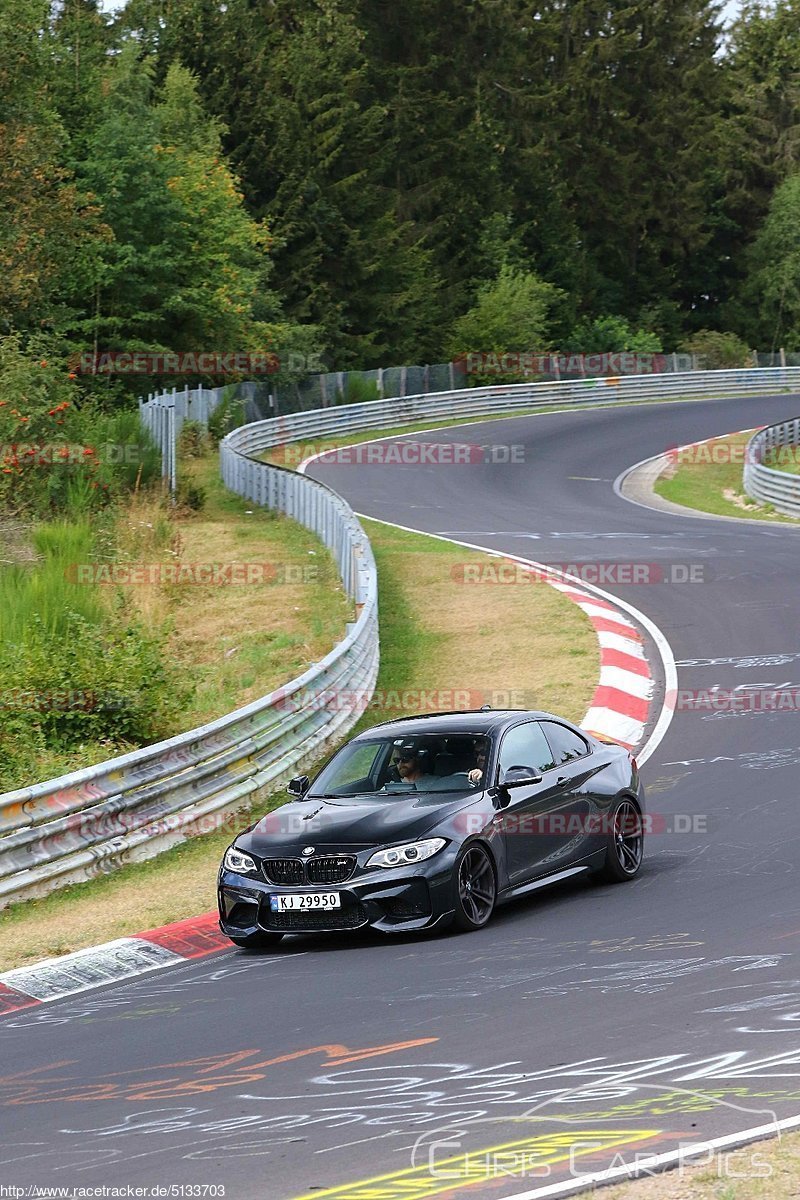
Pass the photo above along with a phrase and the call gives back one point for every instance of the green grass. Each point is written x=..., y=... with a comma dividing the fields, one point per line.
x=42, y=591
x=716, y=487
x=784, y=458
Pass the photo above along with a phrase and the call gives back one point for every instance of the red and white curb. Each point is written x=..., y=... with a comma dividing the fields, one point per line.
x=620, y=706
x=111, y=962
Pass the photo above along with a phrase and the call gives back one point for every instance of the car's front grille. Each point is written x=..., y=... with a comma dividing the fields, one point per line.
x=283, y=871
x=351, y=917
x=287, y=872
x=330, y=870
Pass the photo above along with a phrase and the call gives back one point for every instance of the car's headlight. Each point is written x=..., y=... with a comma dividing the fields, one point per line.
x=411, y=852
x=234, y=860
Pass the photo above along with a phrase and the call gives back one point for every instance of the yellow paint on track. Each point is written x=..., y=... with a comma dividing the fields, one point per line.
x=526, y=1160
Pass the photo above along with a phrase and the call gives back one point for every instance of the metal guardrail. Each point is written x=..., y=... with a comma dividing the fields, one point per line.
x=163, y=417
x=138, y=804
x=766, y=484
x=385, y=414
x=134, y=806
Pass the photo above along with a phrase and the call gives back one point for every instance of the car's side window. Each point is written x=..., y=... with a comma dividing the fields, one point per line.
x=526, y=746
x=359, y=765
x=565, y=744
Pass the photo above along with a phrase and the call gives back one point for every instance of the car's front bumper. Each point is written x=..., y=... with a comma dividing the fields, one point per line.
x=394, y=901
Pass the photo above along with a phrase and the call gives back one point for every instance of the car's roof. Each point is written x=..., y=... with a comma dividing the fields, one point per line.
x=478, y=722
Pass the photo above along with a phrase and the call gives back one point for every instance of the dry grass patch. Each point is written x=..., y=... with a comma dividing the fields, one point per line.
x=234, y=641
x=516, y=645
x=774, y=1167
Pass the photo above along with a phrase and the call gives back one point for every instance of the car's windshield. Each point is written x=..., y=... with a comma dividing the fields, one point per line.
x=396, y=766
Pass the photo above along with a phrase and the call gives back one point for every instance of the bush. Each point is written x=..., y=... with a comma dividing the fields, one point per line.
x=229, y=414
x=716, y=351
x=133, y=458
x=43, y=447
x=110, y=682
x=58, y=453
x=611, y=335
x=510, y=313
x=191, y=495
x=357, y=390
x=193, y=440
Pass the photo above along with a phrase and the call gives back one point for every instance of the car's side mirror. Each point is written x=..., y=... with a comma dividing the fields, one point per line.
x=298, y=786
x=516, y=777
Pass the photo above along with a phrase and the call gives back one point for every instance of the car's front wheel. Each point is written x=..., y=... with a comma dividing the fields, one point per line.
x=625, y=843
x=476, y=889
x=257, y=941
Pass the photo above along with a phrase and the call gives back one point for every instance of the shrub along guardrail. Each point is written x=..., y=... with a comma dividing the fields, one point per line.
x=136, y=805
x=766, y=484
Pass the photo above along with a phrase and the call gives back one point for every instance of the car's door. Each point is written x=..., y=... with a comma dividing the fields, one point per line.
x=526, y=822
x=575, y=819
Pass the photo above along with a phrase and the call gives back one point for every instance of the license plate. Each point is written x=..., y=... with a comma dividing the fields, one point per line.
x=305, y=900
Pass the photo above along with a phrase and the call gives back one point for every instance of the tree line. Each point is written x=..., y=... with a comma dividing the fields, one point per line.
x=386, y=182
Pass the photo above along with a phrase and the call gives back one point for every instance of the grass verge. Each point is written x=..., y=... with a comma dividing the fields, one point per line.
x=762, y=1171
x=708, y=477
x=523, y=642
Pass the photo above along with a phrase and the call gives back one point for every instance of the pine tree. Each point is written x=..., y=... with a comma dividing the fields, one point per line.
x=224, y=278
x=80, y=43
x=772, y=288
x=435, y=68
x=624, y=114
x=763, y=68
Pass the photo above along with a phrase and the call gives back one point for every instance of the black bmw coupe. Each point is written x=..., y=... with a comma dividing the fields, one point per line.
x=432, y=821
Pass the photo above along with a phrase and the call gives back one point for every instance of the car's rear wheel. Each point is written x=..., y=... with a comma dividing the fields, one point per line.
x=625, y=845
x=257, y=941
x=476, y=889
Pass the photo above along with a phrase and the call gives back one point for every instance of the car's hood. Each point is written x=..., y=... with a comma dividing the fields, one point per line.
x=350, y=823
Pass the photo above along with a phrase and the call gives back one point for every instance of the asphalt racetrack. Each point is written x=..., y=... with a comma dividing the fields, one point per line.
x=582, y=1028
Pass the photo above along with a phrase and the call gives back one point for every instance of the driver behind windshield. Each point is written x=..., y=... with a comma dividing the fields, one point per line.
x=411, y=762
x=480, y=750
